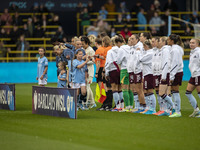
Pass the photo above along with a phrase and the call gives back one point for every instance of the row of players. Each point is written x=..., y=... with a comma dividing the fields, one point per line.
x=131, y=72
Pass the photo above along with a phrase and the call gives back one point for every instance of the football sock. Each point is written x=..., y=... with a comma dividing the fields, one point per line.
x=136, y=101
x=152, y=100
x=131, y=98
x=116, y=97
x=192, y=99
x=177, y=101
x=168, y=99
x=146, y=97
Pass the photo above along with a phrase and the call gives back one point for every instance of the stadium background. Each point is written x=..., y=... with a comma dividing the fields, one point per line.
x=66, y=9
x=93, y=130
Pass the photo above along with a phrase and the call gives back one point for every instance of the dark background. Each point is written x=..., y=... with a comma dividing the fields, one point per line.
x=66, y=9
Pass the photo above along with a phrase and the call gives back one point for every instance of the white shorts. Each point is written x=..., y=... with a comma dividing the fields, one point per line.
x=43, y=81
x=77, y=85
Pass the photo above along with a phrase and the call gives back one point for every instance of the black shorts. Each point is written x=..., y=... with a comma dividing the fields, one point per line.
x=166, y=81
x=157, y=80
x=178, y=79
x=195, y=81
x=137, y=78
x=100, y=78
x=114, y=77
x=148, y=82
x=107, y=82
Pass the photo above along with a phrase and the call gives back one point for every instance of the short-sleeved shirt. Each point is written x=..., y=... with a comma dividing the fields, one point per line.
x=42, y=63
x=62, y=83
x=100, y=52
x=106, y=49
x=78, y=74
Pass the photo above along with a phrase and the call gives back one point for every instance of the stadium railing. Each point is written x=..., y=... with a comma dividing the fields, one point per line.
x=30, y=14
x=29, y=53
x=96, y=14
x=46, y=32
x=29, y=58
x=44, y=40
x=133, y=31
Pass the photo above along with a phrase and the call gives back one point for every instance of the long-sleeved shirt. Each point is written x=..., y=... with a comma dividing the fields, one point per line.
x=164, y=58
x=146, y=61
x=176, y=60
x=155, y=61
x=194, y=63
x=110, y=58
x=123, y=55
x=90, y=52
x=133, y=57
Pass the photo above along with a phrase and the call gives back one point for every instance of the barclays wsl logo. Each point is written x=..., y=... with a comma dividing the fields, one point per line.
x=6, y=97
x=52, y=102
x=49, y=5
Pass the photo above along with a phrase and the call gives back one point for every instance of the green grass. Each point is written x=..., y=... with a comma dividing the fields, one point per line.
x=95, y=130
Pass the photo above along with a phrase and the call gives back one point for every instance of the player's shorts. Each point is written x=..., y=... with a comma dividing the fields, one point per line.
x=124, y=77
x=138, y=78
x=178, y=79
x=114, y=77
x=131, y=77
x=100, y=78
x=166, y=82
x=77, y=85
x=157, y=80
x=148, y=82
x=195, y=81
x=43, y=81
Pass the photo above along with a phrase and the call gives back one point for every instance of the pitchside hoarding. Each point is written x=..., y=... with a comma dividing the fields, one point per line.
x=61, y=102
x=7, y=96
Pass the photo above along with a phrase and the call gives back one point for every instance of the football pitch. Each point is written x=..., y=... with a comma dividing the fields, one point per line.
x=96, y=130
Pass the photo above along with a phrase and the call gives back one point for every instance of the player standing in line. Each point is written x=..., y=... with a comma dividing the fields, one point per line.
x=112, y=73
x=148, y=84
x=135, y=74
x=122, y=58
x=134, y=71
x=90, y=66
x=107, y=104
x=42, y=67
x=163, y=65
x=99, y=62
x=80, y=76
x=155, y=68
x=62, y=77
x=194, y=82
x=143, y=37
x=176, y=73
